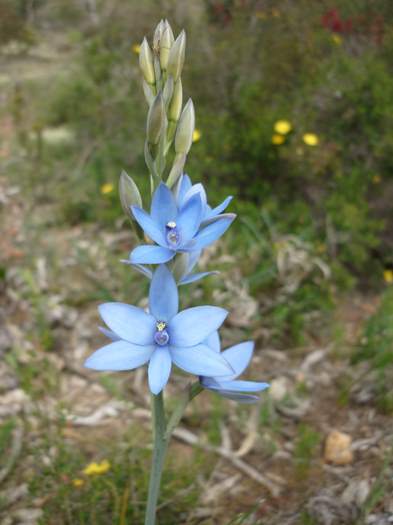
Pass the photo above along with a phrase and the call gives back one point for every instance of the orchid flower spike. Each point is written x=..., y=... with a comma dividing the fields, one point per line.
x=161, y=337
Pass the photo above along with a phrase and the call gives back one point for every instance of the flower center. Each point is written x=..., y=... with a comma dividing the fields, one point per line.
x=161, y=337
x=172, y=234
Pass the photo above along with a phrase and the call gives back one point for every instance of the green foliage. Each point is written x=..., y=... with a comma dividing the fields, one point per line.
x=306, y=448
x=376, y=348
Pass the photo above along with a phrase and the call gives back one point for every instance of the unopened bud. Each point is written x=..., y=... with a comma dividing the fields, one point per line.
x=146, y=62
x=176, y=102
x=129, y=194
x=166, y=43
x=148, y=92
x=176, y=56
x=185, y=129
x=168, y=91
x=155, y=120
x=158, y=34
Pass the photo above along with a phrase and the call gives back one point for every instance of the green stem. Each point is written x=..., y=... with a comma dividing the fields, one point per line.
x=162, y=434
x=160, y=448
x=192, y=391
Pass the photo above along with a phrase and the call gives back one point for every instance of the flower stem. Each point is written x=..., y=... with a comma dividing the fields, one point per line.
x=192, y=391
x=160, y=448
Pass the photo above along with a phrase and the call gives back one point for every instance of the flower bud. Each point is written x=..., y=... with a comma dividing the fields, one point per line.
x=176, y=56
x=185, y=129
x=155, y=120
x=146, y=63
x=166, y=43
x=176, y=170
x=147, y=90
x=158, y=34
x=129, y=194
x=168, y=91
x=176, y=102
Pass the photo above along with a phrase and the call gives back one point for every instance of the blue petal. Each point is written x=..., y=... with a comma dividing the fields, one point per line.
x=193, y=277
x=239, y=386
x=197, y=189
x=151, y=228
x=148, y=254
x=213, y=341
x=211, y=233
x=184, y=186
x=239, y=357
x=234, y=396
x=218, y=209
x=199, y=360
x=159, y=369
x=163, y=206
x=109, y=333
x=193, y=258
x=189, y=219
x=190, y=327
x=129, y=322
x=163, y=294
x=119, y=355
x=139, y=268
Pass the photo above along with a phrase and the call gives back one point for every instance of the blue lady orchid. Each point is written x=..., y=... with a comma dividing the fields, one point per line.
x=228, y=386
x=161, y=337
x=185, y=190
x=175, y=229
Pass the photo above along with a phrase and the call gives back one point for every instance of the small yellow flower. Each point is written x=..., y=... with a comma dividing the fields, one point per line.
x=388, y=276
x=107, y=188
x=310, y=139
x=78, y=482
x=196, y=136
x=262, y=15
x=283, y=127
x=277, y=140
x=377, y=179
x=337, y=39
x=136, y=48
x=97, y=468
x=276, y=12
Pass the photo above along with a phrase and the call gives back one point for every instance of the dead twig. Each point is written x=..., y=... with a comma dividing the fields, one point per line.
x=191, y=439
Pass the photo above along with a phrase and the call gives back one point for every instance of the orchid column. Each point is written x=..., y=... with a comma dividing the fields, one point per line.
x=179, y=225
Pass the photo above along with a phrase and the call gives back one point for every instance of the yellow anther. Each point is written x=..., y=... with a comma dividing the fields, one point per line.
x=161, y=326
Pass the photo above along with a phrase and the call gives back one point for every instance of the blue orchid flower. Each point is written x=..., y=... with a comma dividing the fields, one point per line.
x=175, y=229
x=161, y=337
x=185, y=190
x=238, y=356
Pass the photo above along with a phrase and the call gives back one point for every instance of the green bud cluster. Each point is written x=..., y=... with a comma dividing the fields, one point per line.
x=169, y=126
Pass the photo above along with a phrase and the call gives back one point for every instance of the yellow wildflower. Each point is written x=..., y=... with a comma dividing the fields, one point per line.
x=78, y=482
x=310, y=139
x=196, y=136
x=377, y=179
x=97, y=468
x=283, y=127
x=262, y=15
x=337, y=39
x=388, y=276
x=276, y=12
x=277, y=140
x=107, y=188
x=136, y=49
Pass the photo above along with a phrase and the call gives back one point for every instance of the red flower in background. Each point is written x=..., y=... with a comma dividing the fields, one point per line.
x=332, y=20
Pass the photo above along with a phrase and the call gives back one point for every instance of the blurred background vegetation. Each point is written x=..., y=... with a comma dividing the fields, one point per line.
x=294, y=104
